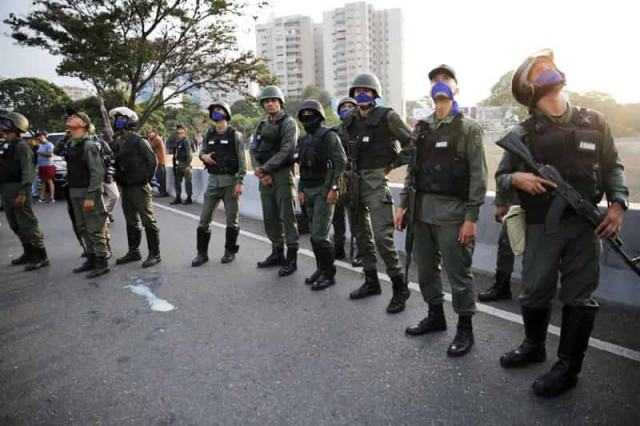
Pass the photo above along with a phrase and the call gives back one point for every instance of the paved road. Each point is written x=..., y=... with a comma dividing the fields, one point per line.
x=246, y=347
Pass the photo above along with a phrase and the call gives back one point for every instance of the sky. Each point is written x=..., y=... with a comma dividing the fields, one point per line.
x=595, y=42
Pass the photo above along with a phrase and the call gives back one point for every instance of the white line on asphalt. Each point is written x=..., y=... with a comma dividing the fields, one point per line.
x=506, y=315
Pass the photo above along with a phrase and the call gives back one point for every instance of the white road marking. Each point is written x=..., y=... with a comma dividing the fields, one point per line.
x=490, y=310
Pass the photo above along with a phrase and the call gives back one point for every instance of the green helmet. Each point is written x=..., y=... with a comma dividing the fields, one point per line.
x=313, y=105
x=222, y=105
x=367, y=81
x=15, y=121
x=345, y=100
x=81, y=115
x=271, y=92
x=526, y=92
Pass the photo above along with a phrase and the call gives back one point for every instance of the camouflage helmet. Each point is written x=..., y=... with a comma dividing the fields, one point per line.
x=222, y=105
x=526, y=92
x=81, y=115
x=312, y=105
x=270, y=92
x=345, y=100
x=14, y=120
x=368, y=81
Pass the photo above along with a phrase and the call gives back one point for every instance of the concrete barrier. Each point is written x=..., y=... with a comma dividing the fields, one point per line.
x=618, y=284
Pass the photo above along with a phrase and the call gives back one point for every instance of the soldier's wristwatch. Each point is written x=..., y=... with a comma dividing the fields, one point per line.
x=624, y=203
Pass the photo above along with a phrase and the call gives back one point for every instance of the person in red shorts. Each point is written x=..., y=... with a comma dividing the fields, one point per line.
x=46, y=169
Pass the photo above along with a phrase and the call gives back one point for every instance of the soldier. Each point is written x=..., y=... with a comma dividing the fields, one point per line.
x=501, y=289
x=343, y=206
x=222, y=153
x=182, y=156
x=372, y=133
x=16, y=177
x=135, y=168
x=85, y=174
x=322, y=161
x=272, y=151
x=579, y=143
x=450, y=178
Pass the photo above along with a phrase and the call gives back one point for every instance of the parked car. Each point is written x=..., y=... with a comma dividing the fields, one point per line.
x=60, y=177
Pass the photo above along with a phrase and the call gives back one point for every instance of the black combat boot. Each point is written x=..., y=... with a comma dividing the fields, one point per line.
x=577, y=324
x=314, y=277
x=176, y=201
x=338, y=251
x=25, y=257
x=202, y=245
x=434, y=321
x=501, y=290
x=101, y=267
x=400, y=294
x=134, y=236
x=327, y=277
x=88, y=265
x=532, y=349
x=370, y=287
x=188, y=200
x=38, y=259
x=291, y=263
x=231, y=246
x=276, y=258
x=463, y=341
x=153, y=244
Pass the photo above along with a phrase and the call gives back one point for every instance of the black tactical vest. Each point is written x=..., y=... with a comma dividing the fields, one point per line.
x=223, y=150
x=439, y=167
x=77, y=170
x=9, y=164
x=376, y=144
x=267, y=139
x=313, y=156
x=574, y=148
x=181, y=150
x=131, y=169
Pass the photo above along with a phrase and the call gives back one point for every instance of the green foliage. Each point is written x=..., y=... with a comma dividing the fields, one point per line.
x=247, y=108
x=181, y=44
x=624, y=119
x=501, y=96
x=245, y=125
x=43, y=103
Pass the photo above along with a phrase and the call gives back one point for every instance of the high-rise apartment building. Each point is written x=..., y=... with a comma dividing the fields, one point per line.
x=356, y=39
x=288, y=43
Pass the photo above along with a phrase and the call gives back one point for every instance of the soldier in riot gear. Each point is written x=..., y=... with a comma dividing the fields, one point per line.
x=322, y=161
x=16, y=177
x=85, y=175
x=450, y=178
x=272, y=149
x=342, y=209
x=135, y=168
x=373, y=132
x=223, y=155
x=579, y=144
x=182, y=156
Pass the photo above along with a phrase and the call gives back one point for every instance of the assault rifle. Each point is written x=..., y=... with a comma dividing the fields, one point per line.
x=566, y=195
x=354, y=192
x=409, y=215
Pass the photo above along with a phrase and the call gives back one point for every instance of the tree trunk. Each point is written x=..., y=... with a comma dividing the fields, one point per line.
x=105, y=116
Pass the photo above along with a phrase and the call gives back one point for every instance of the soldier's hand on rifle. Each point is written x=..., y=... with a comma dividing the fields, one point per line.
x=530, y=183
x=19, y=201
x=398, y=218
x=467, y=233
x=612, y=222
x=500, y=213
x=332, y=197
x=208, y=160
x=88, y=206
x=237, y=191
x=266, y=180
x=301, y=197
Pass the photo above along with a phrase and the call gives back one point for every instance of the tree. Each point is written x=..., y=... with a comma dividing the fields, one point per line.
x=43, y=103
x=142, y=44
x=622, y=118
x=247, y=108
x=501, y=96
